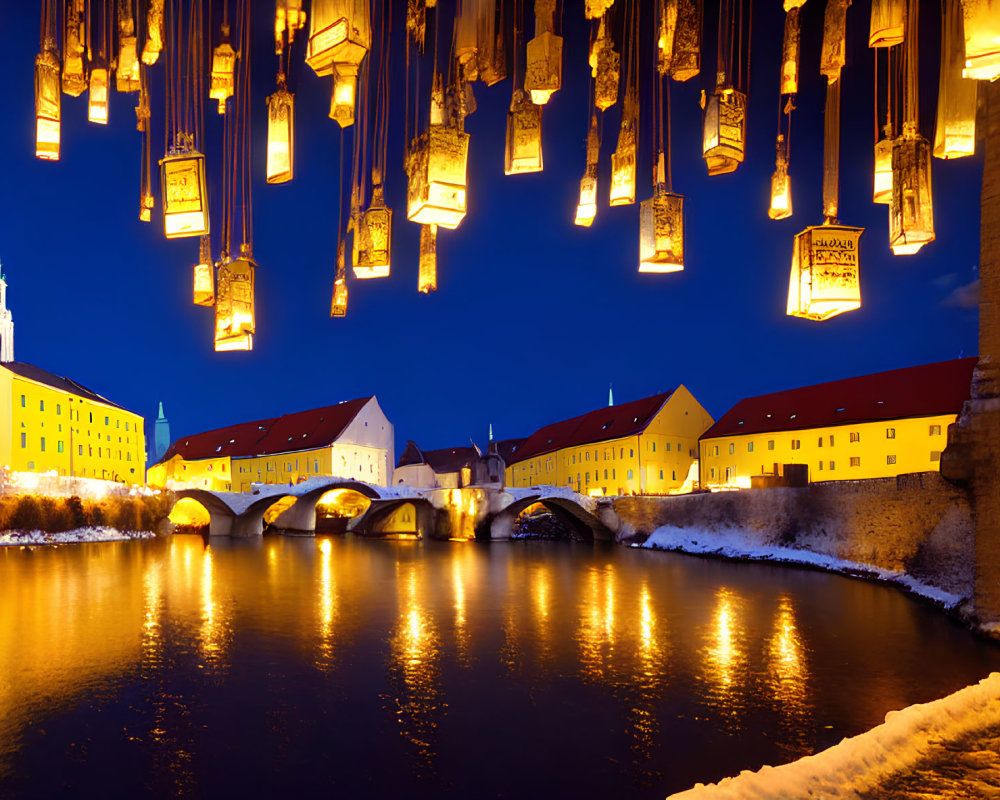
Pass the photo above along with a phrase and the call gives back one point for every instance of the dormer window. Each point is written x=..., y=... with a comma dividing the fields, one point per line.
x=793, y=416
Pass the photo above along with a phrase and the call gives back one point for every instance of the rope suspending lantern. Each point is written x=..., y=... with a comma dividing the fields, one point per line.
x=623, y=160
x=523, y=143
x=127, y=66
x=97, y=95
x=724, y=119
x=955, y=128
x=781, y=184
x=279, y=168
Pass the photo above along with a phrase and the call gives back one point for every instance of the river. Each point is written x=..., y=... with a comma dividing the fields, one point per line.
x=342, y=667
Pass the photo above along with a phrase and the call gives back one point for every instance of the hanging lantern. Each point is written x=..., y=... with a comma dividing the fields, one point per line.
x=416, y=22
x=586, y=209
x=623, y=162
x=280, y=134
x=833, y=55
x=375, y=238
x=146, y=205
x=204, y=277
x=543, y=75
x=127, y=72
x=523, y=151
x=288, y=16
x=955, y=131
x=47, y=106
x=471, y=19
x=982, y=39
x=882, y=192
x=824, y=280
x=661, y=232
x=185, y=196
x=723, y=129
x=427, y=274
x=888, y=23
x=222, y=81
x=790, y=54
x=593, y=9
x=436, y=167
x=339, y=32
x=608, y=72
x=97, y=100
x=666, y=32
x=234, y=305
x=687, y=41
x=493, y=60
x=781, y=186
x=74, y=73
x=345, y=82
x=338, y=305
x=911, y=213
x=154, y=32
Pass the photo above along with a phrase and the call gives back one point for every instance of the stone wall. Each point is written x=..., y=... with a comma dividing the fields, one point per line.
x=916, y=523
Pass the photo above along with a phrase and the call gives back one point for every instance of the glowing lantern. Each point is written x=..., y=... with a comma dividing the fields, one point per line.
x=824, y=280
x=234, y=305
x=667, y=30
x=375, y=238
x=493, y=60
x=687, y=41
x=204, y=277
x=74, y=75
x=436, y=169
x=127, y=72
x=288, y=16
x=222, y=81
x=543, y=76
x=586, y=209
x=427, y=274
x=339, y=32
x=97, y=102
x=911, y=213
x=623, y=161
x=338, y=305
x=661, y=230
x=982, y=39
x=146, y=205
x=595, y=8
x=790, y=54
x=345, y=82
x=523, y=151
x=781, y=187
x=888, y=23
x=154, y=32
x=280, y=134
x=833, y=55
x=882, y=191
x=607, y=72
x=724, y=130
x=185, y=197
x=955, y=131
x=47, y=110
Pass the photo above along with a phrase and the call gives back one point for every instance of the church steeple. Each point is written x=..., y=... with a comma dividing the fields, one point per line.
x=6, y=325
x=611, y=396
x=161, y=434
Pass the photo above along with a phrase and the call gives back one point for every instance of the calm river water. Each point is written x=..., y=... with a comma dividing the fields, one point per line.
x=294, y=667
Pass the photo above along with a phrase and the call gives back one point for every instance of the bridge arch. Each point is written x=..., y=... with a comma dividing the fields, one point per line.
x=569, y=512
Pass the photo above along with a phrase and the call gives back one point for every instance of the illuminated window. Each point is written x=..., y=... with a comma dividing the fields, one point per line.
x=935, y=455
x=586, y=456
x=770, y=444
x=796, y=444
x=890, y=459
x=24, y=440
x=890, y=433
x=629, y=476
x=106, y=421
x=732, y=448
x=855, y=437
x=935, y=430
x=59, y=447
x=855, y=461
x=749, y=447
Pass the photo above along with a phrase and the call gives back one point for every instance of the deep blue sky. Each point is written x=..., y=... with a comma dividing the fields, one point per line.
x=534, y=317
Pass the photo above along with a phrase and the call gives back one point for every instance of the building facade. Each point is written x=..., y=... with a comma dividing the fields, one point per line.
x=873, y=426
x=450, y=468
x=352, y=440
x=647, y=446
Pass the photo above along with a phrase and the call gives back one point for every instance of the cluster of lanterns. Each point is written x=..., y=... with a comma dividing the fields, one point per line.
x=824, y=277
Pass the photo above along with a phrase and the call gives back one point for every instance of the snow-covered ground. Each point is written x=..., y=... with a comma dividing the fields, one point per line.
x=735, y=543
x=915, y=738
x=75, y=536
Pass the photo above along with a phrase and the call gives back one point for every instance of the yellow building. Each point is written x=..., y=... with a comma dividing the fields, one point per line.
x=647, y=446
x=352, y=440
x=49, y=423
x=873, y=426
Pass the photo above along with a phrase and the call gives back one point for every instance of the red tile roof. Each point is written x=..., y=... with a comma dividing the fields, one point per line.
x=450, y=459
x=610, y=422
x=922, y=391
x=303, y=430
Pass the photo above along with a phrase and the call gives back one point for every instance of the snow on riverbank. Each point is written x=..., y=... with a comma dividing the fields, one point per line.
x=856, y=766
x=734, y=543
x=76, y=536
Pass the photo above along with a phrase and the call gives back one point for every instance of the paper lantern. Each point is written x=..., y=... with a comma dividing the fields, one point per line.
x=586, y=209
x=127, y=72
x=427, y=271
x=623, y=166
x=493, y=61
x=911, y=213
x=833, y=54
x=824, y=280
x=234, y=304
x=74, y=72
x=523, y=152
x=781, y=186
x=661, y=232
x=790, y=54
x=374, y=238
x=724, y=129
x=955, y=129
x=888, y=26
x=146, y=205
x=543, y=75
x=882, y=189
x=288, y=16
x=222, y=79
x=280, y=135
x=97, y=100
x=339, y=32
x=665, y=34
x=204, y=275
x=185, y=196
x=982, y=39
x=608, y=72
x=436, y=193
x=47, y=106
x=154, y=32
x=345, y=83
x=593, y=9
x=338, y=305
x=687, y=41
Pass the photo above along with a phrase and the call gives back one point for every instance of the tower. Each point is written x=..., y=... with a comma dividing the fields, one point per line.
x=161, y=434
x=6, y=325
x=611, y=396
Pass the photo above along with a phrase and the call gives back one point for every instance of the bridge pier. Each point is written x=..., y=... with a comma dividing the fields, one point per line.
x=220, y=523
x=300, y=517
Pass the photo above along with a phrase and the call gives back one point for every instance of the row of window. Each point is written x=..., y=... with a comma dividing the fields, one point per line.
x=90, y=415
x=832, y=465
x=855, y=436
x=60, y=448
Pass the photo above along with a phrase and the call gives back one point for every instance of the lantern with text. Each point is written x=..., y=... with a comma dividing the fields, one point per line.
x=222, y=80
x=234, y=305
x=374, y=238
x=154, y=32
x=97, y=100
x=982, y=39
x=686, y=63
x=543, y=75
x=661, y=232
x=955, y=129
x=338, y=304
x=888, y=24
x=280, y=134
x=437, y=166
x=47, y=108
x=74, y=73
x=185, y=197
x=607, y=72
x=345, y=84
x=586, y=209
x=911, y=213
x=790, y=54
x=623, y=162
x=339, y=32
x=824, y=280
x=523, y=151
x=666, y=31
x=427, y=271
x=127, y=72
x=781, y=186
x=204, y=275
x=724, y=130
x=882, y=188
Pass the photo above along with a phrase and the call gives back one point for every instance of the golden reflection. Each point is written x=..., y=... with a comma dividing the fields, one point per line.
x=724, y=659
x=152, y=633
x=644, y=728
x=595, y=633
x=788, y=680
x=326, y=605
x=214, y=624
x=459, y=566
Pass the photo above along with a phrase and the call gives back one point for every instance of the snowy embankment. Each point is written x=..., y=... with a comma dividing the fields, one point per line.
x=737, y=543
x=76, y=536
x=857, y=766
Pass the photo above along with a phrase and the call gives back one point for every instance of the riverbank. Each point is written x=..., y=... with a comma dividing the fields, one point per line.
x=74, y=536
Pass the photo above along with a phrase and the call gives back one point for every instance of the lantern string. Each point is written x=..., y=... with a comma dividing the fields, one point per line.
x=745, y=80
x=911, y=110
x=670, y=172
x=247, y=183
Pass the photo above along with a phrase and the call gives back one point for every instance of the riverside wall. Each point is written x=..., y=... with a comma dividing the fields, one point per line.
x=916, y=523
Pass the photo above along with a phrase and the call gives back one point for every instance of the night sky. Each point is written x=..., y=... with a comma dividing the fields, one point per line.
x=534, y=317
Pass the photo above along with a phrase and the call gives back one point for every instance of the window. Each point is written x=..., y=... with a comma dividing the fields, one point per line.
x=820, y=442
x=831, y=440
x=118, y=423
x=796, y=444
x=574, y=458
x=587, y=455
x=652, y=446
x=712, y=471
x=855, y=436
x=890, y=459
x=90, y=416
x=43, y=444
x=673, y=474
x=770, y=444
x=613, y=474
x=661, y=474
x=126, y=426
x=631, y=453
x=24, y=440
x=58, y=408
x=749, y=447
x=79, y=450
x=629, y=476
x=41, y=405
x=22, y=401
x=935, y=430
x=668, y=447
x=855, y=461
x=59, y=447
x=821, y=466
x=605, y=474
x=732, y=448
x=935, y=455
x=831, y=465
x=715, y=450
x=890, y=433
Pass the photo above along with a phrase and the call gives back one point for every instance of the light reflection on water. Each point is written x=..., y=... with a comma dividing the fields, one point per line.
x=182, y=668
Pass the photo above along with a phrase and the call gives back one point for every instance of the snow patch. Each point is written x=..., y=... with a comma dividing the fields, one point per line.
x=75, y=536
